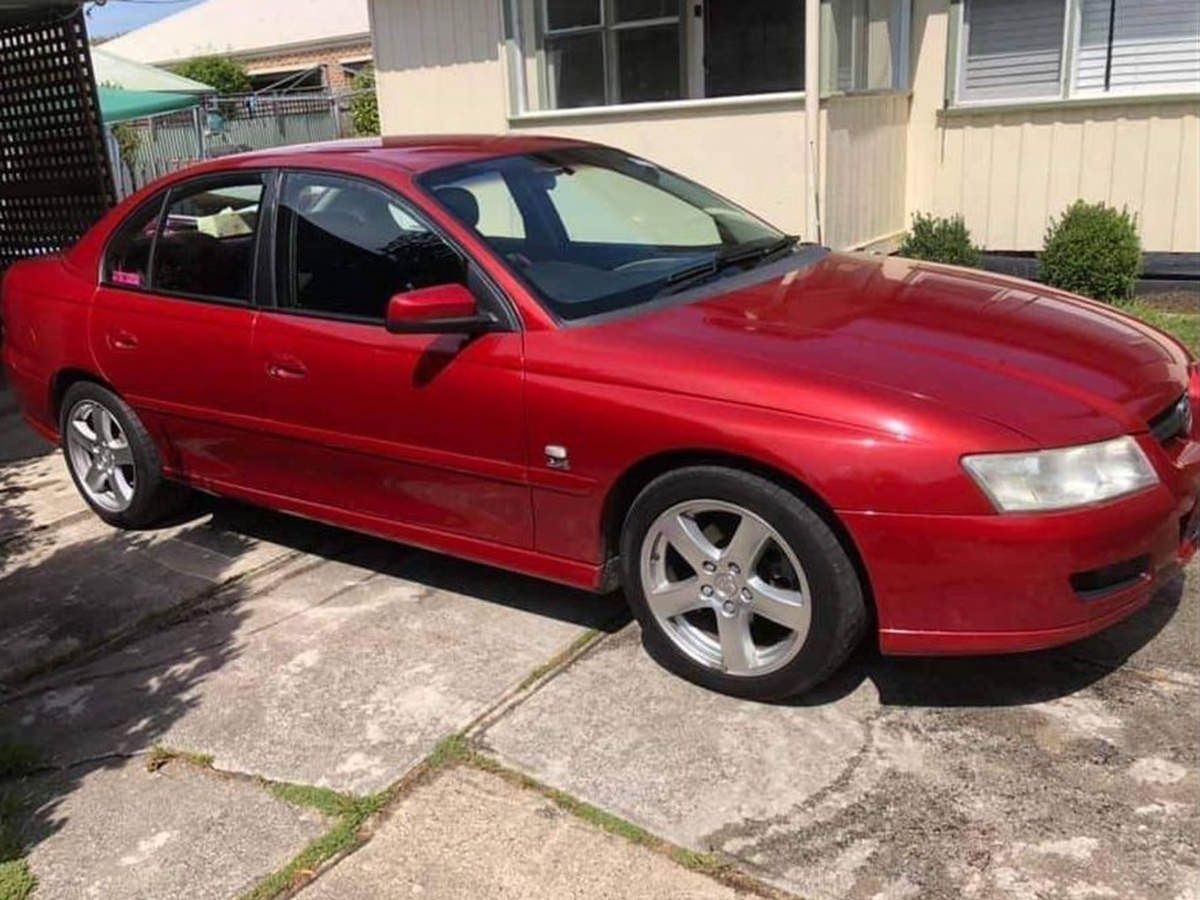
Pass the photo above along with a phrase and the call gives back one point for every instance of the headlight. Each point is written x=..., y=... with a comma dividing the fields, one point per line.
x=1059, y=479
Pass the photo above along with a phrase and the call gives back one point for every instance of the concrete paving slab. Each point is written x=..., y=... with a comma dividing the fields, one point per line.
x=1032, y=776
x=344, y=674
x=35, y=494
x=180, y=832
x=471, y=834
x=76, y=585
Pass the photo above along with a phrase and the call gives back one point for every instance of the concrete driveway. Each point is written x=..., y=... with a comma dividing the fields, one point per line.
x=247, y=704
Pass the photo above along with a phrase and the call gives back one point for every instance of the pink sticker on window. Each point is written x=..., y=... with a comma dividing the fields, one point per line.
x=133, y=278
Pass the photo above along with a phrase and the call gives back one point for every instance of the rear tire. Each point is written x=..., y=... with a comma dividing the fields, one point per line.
x=113, y=460
x=738, y=584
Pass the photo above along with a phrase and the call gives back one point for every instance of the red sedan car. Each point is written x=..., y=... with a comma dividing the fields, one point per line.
x=560, y=359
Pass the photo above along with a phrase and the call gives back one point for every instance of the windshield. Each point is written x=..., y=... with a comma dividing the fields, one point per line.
x=593, y=230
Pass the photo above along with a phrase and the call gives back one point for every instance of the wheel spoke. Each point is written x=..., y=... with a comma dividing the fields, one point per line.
x=737, y=647
x=94, y=478
x=122, y=455
x=781, y=606
x=121, y=486
x=108, y=427
x=674, y=598
x=747, y=543
x=84, y=435
x=689, y=541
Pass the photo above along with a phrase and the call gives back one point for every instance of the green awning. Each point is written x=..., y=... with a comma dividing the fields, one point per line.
x=117, y=105
x=116, y=71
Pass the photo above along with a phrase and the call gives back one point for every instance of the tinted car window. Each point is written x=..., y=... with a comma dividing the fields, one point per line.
x=127, y=261
x=345, y=247
x=206, y=247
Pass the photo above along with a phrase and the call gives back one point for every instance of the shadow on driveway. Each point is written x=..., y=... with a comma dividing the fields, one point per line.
x=81, y=604
x=1009, y=680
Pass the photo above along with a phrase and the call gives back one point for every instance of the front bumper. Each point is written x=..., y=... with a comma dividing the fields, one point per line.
x=1004, y=583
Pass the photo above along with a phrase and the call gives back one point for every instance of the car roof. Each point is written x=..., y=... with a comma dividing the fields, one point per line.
x=414, y=153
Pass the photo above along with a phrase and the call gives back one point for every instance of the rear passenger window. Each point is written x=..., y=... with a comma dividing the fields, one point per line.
x=206, y=248
x=127, y=262
x=346, y=247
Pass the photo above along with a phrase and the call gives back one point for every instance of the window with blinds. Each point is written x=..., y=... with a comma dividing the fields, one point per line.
x=1145, y=46
x=1011, y=50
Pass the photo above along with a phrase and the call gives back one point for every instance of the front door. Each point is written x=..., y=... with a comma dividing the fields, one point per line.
x=171, y=322
x=424, y=430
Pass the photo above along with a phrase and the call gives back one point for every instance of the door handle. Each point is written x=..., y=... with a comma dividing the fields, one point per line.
x=286, y=367
x=120, y=339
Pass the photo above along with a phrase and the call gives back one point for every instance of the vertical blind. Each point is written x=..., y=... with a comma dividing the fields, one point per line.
x=1155, y=45
x=1013, y=48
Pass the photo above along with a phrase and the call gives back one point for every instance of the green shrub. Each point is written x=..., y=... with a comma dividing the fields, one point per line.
x=1093, y=250
x=941, y=240
x=364, y=104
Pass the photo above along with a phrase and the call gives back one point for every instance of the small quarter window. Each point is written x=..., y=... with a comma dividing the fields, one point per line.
x=206, y=248
x=346, y=247
x=127, y=261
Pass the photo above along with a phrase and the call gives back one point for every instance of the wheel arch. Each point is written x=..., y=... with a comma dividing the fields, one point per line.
x=633, y=480
x=62, y=381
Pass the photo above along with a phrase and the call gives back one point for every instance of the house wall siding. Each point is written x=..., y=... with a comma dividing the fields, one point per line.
x=1009, y=172
x=864, y=168
x=441, y=69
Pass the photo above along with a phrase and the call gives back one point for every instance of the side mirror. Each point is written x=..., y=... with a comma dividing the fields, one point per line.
x=441, y=309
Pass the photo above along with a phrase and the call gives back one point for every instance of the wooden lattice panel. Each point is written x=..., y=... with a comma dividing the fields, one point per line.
x=54, y=175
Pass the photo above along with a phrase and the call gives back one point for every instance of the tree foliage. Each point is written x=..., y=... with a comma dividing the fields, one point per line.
x=364, y=103
x=225, y=75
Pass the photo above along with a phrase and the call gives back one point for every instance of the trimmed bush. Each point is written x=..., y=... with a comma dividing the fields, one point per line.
x=1093, y=250
x=938, y=239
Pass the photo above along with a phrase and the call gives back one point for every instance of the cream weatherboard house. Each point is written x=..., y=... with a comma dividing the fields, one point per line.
x=1003, y=110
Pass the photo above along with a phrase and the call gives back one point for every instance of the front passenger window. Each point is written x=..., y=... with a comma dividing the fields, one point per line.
x=346, y=247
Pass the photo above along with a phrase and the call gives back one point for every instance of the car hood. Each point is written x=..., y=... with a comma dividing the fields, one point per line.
x=1054, y=368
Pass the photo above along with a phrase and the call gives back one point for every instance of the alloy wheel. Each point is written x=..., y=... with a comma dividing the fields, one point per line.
x=99, y=454
x=725, y=587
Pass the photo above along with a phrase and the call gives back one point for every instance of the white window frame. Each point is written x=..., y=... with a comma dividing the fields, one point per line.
x=522, y=36
x=899, y=48
x=1068, y=69
x=607, y=28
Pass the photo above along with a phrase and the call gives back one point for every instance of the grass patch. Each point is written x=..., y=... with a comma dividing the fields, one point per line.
x=1183, y=325
x=324, y=800
x=17, y=760
x=350, y=811
x=160, y=755
x=16, y=881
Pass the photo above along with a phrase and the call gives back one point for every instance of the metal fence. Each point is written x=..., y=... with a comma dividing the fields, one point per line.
x=152, y=147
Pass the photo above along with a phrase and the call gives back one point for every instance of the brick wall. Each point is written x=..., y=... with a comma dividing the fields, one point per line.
x=329, y=57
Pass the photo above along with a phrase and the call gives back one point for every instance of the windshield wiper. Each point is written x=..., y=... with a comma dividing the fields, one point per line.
x=691, y=275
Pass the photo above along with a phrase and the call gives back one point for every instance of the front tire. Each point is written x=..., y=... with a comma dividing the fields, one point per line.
x=113, y=460
x=738, y=584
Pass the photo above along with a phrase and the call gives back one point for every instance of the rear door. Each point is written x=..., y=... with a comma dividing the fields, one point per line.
x=172, y=320
x=424, y=430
